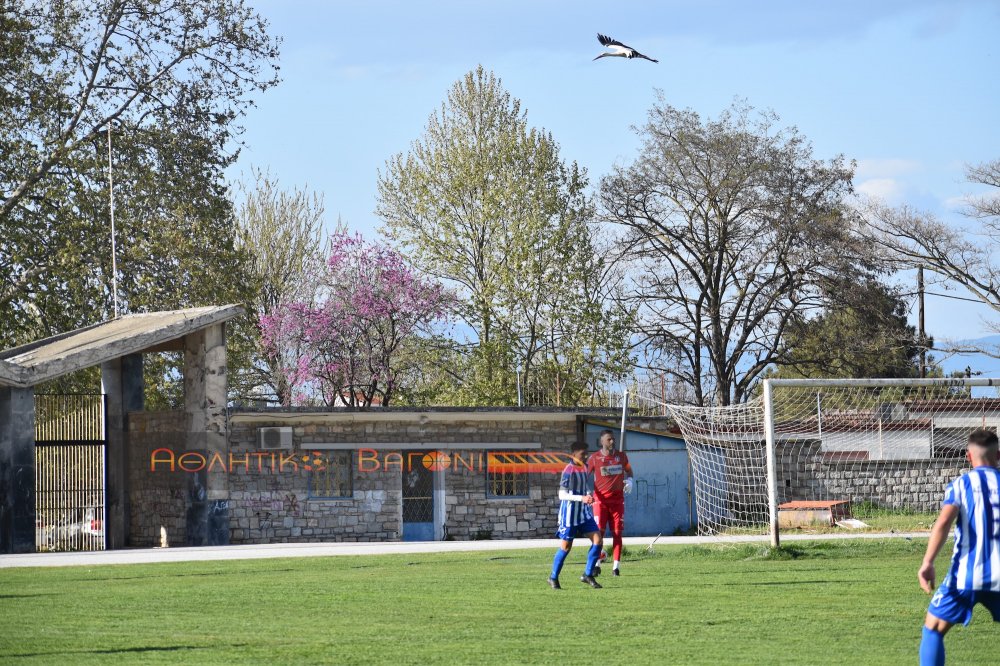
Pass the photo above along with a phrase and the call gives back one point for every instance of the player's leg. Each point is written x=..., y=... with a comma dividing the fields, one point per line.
x=602, y=517
x=932, y=642
x=596, y=544
x=565, y=545
x=617, y=530
x=947, y=608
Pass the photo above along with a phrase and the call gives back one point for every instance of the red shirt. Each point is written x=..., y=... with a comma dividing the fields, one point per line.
x=609, y=473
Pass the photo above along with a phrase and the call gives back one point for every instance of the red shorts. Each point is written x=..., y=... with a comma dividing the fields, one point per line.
x=610, y=513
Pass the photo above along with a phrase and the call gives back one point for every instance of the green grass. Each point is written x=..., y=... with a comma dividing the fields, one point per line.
x=827, y=602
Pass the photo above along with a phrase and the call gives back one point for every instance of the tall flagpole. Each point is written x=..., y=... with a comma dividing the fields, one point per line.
x=114, y=249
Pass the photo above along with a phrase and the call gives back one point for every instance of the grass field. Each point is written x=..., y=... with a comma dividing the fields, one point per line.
x=831, y=602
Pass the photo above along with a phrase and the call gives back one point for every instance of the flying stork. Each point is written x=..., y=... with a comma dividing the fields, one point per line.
x=619, y=50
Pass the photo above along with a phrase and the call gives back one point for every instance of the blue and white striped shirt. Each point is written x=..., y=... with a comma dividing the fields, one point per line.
x=975, y=565
x=575, y=479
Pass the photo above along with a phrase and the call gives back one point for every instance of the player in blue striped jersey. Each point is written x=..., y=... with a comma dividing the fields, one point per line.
x=576, y=517
x=972, y=502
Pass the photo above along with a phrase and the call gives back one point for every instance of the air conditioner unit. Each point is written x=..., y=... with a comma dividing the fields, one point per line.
x=274, y=439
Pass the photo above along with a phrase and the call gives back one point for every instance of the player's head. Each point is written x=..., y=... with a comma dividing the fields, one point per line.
x=983, y=447
x=606, y=440
x=578, y=450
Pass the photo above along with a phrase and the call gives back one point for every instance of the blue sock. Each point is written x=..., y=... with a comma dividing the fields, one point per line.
x=932, y=648
x=557, y=562
x=592, y=555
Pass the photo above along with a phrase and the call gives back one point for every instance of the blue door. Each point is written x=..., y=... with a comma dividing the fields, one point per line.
x=418, y=504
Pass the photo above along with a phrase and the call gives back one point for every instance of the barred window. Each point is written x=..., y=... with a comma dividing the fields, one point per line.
x=505, y=483
x=333, y=479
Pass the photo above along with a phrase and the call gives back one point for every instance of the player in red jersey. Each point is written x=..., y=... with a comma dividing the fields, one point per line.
x=612, y=479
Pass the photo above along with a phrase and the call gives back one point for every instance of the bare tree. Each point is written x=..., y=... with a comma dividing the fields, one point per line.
x=966, y=257
x=729, y=227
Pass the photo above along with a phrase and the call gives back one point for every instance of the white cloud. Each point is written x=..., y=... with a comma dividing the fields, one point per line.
x=885, y=167
x=958, y=203
x=889, y=190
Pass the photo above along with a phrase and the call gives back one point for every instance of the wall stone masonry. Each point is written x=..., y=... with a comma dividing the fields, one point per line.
x=157, y=499
x=268, y=500
x=895, y=484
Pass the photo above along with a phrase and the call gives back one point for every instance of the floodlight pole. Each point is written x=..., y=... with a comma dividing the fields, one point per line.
x=621, y=436
x=114, y=249
x=520, y=399
x=772, y=471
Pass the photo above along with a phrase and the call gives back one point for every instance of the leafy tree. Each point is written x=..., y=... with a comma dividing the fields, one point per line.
x=282, y=233
x=484, y=202
x=730, y=227
x=355, y=335
x=170, y=79
x=862, y=332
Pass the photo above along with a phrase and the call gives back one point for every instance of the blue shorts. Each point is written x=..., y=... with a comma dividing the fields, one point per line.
x=584, y=528
x=955, y=606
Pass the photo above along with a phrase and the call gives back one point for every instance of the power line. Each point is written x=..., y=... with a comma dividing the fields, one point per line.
x=957, y=298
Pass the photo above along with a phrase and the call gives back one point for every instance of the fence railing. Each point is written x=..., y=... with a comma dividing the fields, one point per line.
x=72, y=417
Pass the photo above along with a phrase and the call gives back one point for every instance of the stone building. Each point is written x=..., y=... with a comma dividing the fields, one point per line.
x=343, y=475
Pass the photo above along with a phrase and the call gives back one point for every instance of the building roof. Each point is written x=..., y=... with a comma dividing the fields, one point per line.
x=62, y=354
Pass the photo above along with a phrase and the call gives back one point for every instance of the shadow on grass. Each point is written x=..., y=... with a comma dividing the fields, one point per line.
x=94, y=579
x=124, y=650
x=781, y=582
x=26, y=596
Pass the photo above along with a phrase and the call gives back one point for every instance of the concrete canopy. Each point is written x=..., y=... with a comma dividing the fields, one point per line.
x=58, y=355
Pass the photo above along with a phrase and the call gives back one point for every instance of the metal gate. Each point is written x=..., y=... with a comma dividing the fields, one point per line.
x=70, y=472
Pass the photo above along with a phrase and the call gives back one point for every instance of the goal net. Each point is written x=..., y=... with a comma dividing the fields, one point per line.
x=856, y=446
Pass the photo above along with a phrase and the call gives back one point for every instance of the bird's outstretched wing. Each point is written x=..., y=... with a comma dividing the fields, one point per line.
x=607, y=41
x=636, y=54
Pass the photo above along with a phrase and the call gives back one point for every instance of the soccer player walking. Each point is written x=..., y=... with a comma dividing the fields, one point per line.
x=974, y=576
x=576, y=518
x=612, y=480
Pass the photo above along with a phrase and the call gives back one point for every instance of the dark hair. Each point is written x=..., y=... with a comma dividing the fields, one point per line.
x=578, y=445
x=983, y=437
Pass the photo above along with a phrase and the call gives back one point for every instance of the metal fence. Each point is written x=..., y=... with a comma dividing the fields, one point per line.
x=70, y=472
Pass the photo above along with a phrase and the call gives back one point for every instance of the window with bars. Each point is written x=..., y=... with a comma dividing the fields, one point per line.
x=334, y=480
x=506, y=484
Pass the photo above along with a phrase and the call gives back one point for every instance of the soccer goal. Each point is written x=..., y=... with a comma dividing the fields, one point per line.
x=883, y=444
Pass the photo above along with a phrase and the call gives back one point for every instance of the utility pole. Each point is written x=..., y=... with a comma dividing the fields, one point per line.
x=922, y=335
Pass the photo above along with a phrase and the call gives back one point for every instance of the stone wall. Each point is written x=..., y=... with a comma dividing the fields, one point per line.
x=470, y=514
x=268, y=494
x=375, y=511
x=156, y=498
x=269, y=504
x=897, y=484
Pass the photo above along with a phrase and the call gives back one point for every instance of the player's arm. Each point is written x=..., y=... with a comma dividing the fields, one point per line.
x=939, y=534
x=567, y=496
x=628, y=475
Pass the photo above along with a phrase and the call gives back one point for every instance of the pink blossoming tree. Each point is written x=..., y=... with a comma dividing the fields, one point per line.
x=353, y=336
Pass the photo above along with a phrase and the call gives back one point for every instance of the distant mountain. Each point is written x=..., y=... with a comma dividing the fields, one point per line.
x=981, y=365
x=990, y=367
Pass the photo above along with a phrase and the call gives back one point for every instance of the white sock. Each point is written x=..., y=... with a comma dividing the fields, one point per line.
x=616, y=565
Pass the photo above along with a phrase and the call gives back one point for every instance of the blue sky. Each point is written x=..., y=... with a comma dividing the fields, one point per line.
x=908, y=88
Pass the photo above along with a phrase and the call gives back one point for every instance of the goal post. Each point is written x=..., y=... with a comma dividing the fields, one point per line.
x=867, y=446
